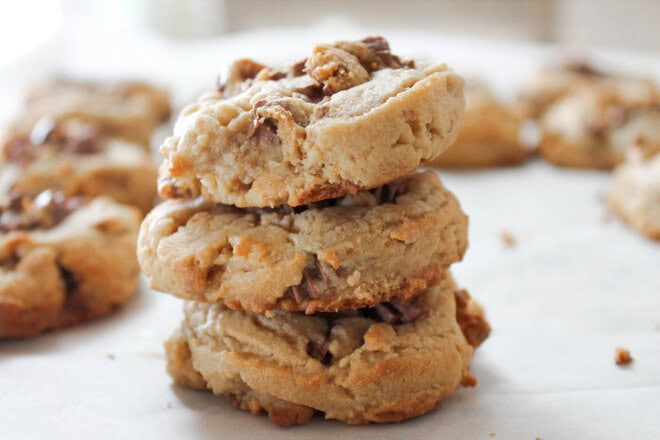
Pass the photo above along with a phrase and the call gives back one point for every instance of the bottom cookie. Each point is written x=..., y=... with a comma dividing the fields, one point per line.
x=352, y=365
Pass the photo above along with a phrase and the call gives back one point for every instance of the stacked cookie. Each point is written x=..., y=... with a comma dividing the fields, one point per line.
x=66, y=254
x=315, y=265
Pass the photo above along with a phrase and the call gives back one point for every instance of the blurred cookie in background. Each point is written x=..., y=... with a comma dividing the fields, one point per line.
x=489, y=134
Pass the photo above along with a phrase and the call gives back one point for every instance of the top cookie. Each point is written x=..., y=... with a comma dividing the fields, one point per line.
x=351, y=116
x=129, y=110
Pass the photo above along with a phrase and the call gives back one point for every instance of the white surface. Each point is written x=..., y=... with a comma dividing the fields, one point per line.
x=573, y=288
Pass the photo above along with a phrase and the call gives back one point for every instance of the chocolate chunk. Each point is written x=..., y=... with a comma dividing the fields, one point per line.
x=386, y=193
x=70, y=282
x=320, y=352
x=306, y=289
x=44, y=211
x=265, y=129
x=411, y=311
x=385, y=313
x=313, y=92
x=396, y=311
x=582, y=68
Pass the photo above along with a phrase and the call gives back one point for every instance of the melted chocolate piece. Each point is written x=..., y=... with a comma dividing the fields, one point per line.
x=398, y=312
x=44, y=211
x=313, y=92
x=386, y=193
x=66, y=136
x=582, y=68
x=306, y=290
x=320, y=351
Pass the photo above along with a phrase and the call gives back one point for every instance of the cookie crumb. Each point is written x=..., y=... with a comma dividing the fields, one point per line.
x=507, y=238
x=110, y=356
x=492, y=434
x=622, y=357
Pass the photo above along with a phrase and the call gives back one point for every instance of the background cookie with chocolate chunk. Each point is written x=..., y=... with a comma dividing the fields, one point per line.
x=63, y=261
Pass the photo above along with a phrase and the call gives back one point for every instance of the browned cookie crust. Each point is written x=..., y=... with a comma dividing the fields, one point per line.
x=129, y=110
x=343, y=253
x=63, y=261
x=351, y=116
x=488, y=136
x=349, y=365
x=75, y=157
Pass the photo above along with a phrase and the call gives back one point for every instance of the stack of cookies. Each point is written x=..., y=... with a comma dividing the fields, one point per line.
x=314, y=259
x=69, y=168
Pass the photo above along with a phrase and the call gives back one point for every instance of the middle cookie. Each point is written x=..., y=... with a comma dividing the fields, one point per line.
x=355, y=251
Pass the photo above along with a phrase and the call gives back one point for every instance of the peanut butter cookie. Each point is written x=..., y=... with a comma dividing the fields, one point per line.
x=364, y=366
x=350, y=117
x=350, y=252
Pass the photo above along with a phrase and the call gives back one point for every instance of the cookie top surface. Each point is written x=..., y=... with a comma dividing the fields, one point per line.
x=353, y=366
x=342, y=253
x=131, y=110
x=351, y=116
x=548, y=86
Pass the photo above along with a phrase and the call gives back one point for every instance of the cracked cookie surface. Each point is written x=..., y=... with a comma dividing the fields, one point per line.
x=373, y=372
x=63, y=261
x=350, y=252
x=75, y=157
x=351, y=116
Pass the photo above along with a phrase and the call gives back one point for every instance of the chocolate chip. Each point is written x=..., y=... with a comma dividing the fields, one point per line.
x=306, y=289
x=313, y=92
x=396, y=311
x=582, y=68
x=44, y=211
x=70, y=282
x=386, y=193
x=320, y=352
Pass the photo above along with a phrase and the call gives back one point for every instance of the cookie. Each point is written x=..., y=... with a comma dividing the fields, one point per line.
x=63, y=261
x=129, y=110
x=634, y=194
x=74, y=157
x=489, y=133
x=546, y=87
x=581, y=130
x=357, y=367
x=342, y=253
x=350, y=117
